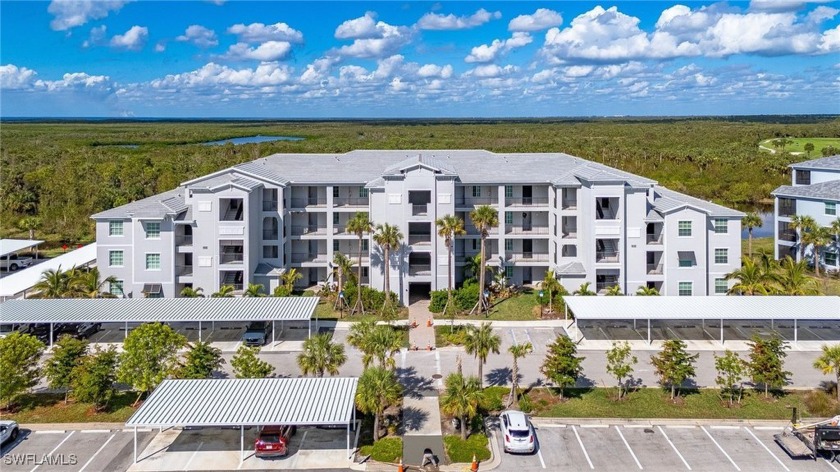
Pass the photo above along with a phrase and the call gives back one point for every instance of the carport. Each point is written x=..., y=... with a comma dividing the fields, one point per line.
x=11, y=246
x=766, y=308
x=159, y=310
x=248, y=402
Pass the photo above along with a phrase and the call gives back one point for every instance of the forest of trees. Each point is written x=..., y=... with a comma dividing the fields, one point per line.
x=55, y=175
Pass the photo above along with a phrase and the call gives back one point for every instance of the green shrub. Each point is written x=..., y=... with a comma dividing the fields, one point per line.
x=387, y=449
x=466, y=297
x=525, y=404
x=493, y=398
x=454, y=335
x=463, y=451
x=372, y=298
x=820, y=403
x=437, y=301
x=282, y=291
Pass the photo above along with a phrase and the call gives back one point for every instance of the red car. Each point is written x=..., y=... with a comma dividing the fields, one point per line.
x=273, y=441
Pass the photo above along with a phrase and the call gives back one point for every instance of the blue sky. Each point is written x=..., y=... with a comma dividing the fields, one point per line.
x=215, y=59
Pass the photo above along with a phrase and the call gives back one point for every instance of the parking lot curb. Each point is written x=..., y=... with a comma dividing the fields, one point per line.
x=542, y=421
x=100, y=427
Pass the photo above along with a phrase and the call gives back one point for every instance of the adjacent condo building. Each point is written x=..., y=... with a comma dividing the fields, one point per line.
x=586, y=221
x=815, y=192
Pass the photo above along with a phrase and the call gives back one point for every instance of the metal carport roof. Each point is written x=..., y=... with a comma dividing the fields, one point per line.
x=18, y=283
x=9, y=246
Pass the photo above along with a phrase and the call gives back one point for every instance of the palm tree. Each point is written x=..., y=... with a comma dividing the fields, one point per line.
x=321, y=355
x=343, y=267
x=472, y=267
x=518, y=351
x=829, y=363
x=359, y=225
x=189, y=292
x=793, y=279
x=819, y=237
x=645, y=291
x=462, y=397
x=480, y=342
x=450, y=227
x=551, y=285
x=54, y=283
x=289, y=278
x=377, y=389
x=385, y=343
x=389, y=238
x=484, y=218
x=225, y=291
x=751, y=220
x=360, y=337
x=751, y=278
x=88, y=284
x=30, y=223
x=614, y=291
x=584, y=290
x=802, y=224
x=254, y=291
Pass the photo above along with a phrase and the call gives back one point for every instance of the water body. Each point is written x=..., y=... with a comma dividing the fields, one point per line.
x=766, y=230
x=252, y=139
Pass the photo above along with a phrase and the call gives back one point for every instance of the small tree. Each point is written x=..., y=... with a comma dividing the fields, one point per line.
x=562, y=365
x=254, y=291
x=518, y=351
x=19, y=356
x=246, y=364
x=201, y=361
x=378, y=389
x=67, y=354
x=552, y=287
x=766, y=364
x=480, y=342
x=462, y=397
x=93, y=379
x=730, y=374
x=320, y=355
x=620, y=362
x=829, y=363
x=674, y=365
x=289, y=278
x=809, y=148
x=751, y=220
x=150, y=354
x=225, y=291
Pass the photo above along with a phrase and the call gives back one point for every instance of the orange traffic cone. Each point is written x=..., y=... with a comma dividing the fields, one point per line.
x=429, y=322
x=474, y=465
x=401, y=467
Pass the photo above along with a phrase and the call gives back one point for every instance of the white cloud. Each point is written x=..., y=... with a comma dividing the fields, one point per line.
x=319, y=69
x=490, y=71
x=13, y=77
x=79, y=81
x=266, y=52
x=212, y=74
x=96, y=37
x=363, y=27
x=490, y=52
x=386, y=41
x=160, y=46
x=830, y=40
x=598, y=35
x=71, y=13
x=259, y=33
x=200, y=36
x=133, y=40
x=541, y=19
x=781, y=5
x=436, y=21
x=434, y=70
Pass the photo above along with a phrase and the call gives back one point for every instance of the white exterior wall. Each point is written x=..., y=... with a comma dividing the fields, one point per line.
x=696, y=243
x=634, y=265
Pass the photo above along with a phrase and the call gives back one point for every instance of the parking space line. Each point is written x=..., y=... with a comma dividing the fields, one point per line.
x=831, y=465
x=513, y=336
x=680, y=426
x=95, y=431
x=674, y=447
x=594, y=426
x=187, y=465
x=539, y=454
x=724, y=427
x=629, y=448
x=528, y=335
x=585, y=454
x=50, y=431
x=766, y=428
x=767, y=449
x=552, y=426
x=96, y=453
x=721, y=449
x=637, y=426
x=54, y=449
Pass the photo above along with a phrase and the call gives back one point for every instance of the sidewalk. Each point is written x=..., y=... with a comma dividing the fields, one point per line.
x=422, y=336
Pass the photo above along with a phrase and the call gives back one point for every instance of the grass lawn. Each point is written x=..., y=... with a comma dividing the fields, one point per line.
x=387, y=449
x=758, y=245
x=519, y=307
x=446, y=335
x=462, y=451
x=798, y=144
x=50, y=408
x=324, y=311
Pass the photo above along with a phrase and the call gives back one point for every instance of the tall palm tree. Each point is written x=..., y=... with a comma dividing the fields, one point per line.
x=450, y=227
x=645, y=291
x=54, y=283
x=343, y=267
x=751, y=279
x=802, y=224
x=189, y=292
x=359, y=225
x=614, y=291
x=377, y=389
x=89, y=284
x=819, y=237
x=389, y=238
x=793, y=278
x=584, y=290
x=360, y=337
x=461, y=397
x=484, y=218
x=386, y=342
x=480, y=342
x=829, y=363
x=751, y=220
x=551, y=285
x=225, y=291
x=289, y=278
x=320, y=355
x=254, y=291
x=473, y=267
x=518, y=351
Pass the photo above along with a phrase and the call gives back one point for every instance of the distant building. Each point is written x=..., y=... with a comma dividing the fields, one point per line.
x=587, y=221
x=816, y=193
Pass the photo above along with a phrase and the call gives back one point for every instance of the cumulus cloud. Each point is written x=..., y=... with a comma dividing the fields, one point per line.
x=541, y=19
x=490, y=71
x=78, y=81
x=436, y=21
x=781, y=5
x=490, y=52
x=200, y=36
x=213, y=75
x=379, y=41
x=268, y=51
x=363, y=27
x=97, y=37
x=598, y=35
x=434, y=70
x=259, y=33
x=13, y=77
x=71, y=13
x=132, y=40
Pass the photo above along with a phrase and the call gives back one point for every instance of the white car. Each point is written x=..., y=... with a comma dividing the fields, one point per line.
x=8, y=431
x=517, y=432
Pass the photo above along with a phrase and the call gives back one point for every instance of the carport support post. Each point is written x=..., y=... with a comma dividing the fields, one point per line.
x=199, y=331
x=125, y=335
x=272, y=332
x=51, y=335
x=241, y=443
x=796, y=332
x=348, y=440
x=648, y=331
x=135, y=444
x=721, y=331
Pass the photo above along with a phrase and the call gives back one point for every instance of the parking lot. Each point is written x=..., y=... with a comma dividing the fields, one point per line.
x=603, y=447
x=709, y=330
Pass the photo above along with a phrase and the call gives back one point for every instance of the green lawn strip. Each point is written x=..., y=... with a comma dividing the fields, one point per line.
x=50, y=408
x=459, y=450
x=519, y=307
x=448, y=335
x=388, y=449
x=798, y=144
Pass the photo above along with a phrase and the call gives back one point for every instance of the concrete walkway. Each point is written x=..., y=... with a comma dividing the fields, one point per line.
x=422, y=336
x=421, y=420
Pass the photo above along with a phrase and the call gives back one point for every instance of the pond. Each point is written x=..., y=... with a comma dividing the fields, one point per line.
x=766, y=230
x=251, y=140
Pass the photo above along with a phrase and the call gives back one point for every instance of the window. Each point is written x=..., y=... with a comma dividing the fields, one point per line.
x=476, y=191
x=830, y=258
x=115, y=258
x=115, y=228
x=270, y=252
x=721, y=256
x=364, y=272
x=335, y=218
x=508, y=272
x=363, y=192
x=152, y=261
x=153, y=230
x=684, y=228
x=335, y=246
x=721, y=226
x=365, y=243
x=803, y=177
x=475, y=244
x=508, y=191
x=336, y=193
x=830, y=209
x=116, y=288
x=508, y=245
x=721, y=286
x=685, y=289
x=508, y=217
x=686, y=261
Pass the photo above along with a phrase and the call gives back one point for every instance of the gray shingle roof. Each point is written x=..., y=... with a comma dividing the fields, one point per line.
x=571, y=268
x=824, y=190
x=667, y=199
x=420, y=159
x=156, y=206
x=230, y=178
x=831, y=162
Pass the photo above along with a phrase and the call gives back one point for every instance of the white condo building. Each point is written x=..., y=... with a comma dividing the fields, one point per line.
x=587, y=221
x=815, y=192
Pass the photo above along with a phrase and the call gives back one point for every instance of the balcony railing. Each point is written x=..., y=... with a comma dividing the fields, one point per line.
x=419, y=269
x=351, y=202
x=570, y=234
x=184, y=270
x=601, y=287
x=308, y=202
x=654, y=239
x=231, y=258
x=472, y=230
x=654, y=269
x=787, y=207
x=270, y=235
x=526, y=201
x=184, y=240
x=308, y=230
x=787, y=236
x=308, y=257
x=269, y=205
x=569, y=204
x=420, y=209
x=472, y=201
x=526, y=230
x=419, y=239
x=528, y=257
x=606, y=256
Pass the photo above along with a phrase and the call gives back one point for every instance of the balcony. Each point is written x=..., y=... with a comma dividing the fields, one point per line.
x=473, y=231
x=603, y=286
x=310, y=202
x=184, y=270
x=308, y=230
x=420, y=209
x=232, y=209
x=526, y=201
x=606, y=256
x=654, y=269
x=526, y=230
x=475, y=201
x=569, y=234
x=569, y=204
x=528, y=257
x=269, y=205
x=654, y=239
x=423, y=239
x=304, y=257
x=420, y=269
x=789, y=236
x=787, y=207
x=231, y=257
x=351, y=202
x=184, y=240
